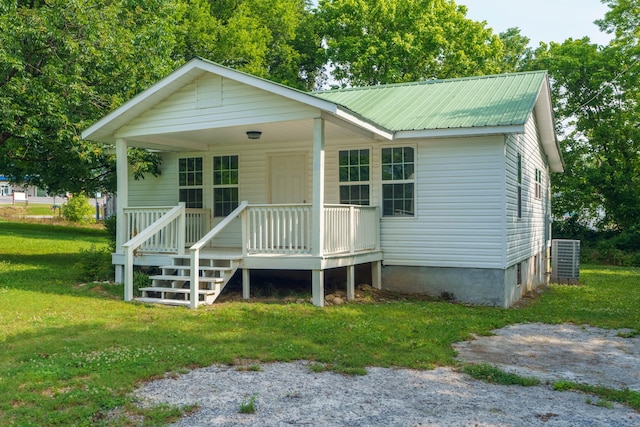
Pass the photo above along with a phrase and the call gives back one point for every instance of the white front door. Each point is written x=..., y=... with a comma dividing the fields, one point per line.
x=288, y=178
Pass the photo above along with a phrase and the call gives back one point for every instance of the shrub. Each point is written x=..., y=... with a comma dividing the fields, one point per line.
x=77, y=209
x=95, y=263
x=110, y=226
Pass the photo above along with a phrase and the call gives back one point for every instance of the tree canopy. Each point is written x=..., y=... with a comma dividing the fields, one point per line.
x=66, y=63
x=596, y=96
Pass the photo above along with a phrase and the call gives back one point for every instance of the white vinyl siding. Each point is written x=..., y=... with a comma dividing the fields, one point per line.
x=459, y=207
x=526, y=236
x=229, y=104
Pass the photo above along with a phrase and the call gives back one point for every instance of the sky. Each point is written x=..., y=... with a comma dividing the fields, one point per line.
x=541, y=20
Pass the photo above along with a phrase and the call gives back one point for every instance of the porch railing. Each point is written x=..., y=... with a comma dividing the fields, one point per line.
x=197, y=224
x=278, y=229
x=286, y=229
x=166, y=232
x=350, y=228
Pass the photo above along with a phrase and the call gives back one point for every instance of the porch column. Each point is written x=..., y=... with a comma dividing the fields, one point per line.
x=317, y=209
x=122, y=201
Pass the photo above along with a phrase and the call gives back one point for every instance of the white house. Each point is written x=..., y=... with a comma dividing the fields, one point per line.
x=439, y=186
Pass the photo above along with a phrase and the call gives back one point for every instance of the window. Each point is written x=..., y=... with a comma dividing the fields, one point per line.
x=398, y=188
x=519, y=207
x=190, y=181
x=353, y=169
x=225, y=185
x=538, y=190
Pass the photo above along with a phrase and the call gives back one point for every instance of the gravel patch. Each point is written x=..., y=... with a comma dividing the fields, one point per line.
x=290, y=394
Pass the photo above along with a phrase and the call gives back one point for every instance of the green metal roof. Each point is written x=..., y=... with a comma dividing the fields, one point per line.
x=486, y=101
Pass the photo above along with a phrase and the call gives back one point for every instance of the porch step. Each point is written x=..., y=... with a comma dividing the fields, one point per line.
x=162, y=301
x=177, y=290
x=172, y=286
x=188, y=267
x=186, y=278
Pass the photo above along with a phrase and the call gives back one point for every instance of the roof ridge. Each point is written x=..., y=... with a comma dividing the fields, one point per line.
x=425, y=82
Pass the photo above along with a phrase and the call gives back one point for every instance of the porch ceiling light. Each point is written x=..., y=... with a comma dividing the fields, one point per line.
x=254, y=134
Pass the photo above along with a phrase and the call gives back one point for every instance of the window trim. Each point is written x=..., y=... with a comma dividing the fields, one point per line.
x=192, y=187
x=538, y=184
x=350, y=183
x=215, y=186
x=413, y=181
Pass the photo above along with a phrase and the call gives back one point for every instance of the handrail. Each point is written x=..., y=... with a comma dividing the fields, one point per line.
x=152, y=229
x=135, y=242
x=195, y=252
x=222, y=224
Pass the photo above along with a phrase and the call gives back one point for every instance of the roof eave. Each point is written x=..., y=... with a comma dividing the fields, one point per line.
x=546, y=123
x=459, y=132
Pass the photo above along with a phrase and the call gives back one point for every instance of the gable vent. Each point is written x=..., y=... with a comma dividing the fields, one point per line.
x=209, y=92
x=565, y=258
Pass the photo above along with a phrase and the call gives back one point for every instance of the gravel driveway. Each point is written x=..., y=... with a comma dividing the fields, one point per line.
x=289, y=394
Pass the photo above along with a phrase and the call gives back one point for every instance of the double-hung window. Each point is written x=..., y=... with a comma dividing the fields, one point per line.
x=354, y=173
x=538, y=190
x=398, y=181
x=190, y=181
x=225, y=184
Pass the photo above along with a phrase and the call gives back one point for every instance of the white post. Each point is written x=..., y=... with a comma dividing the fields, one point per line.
x=182, y=229
x=376, y=274
x=122, y=193
x=351, y=279
x=194, y=279
x=246, y=283
x=317, y=205
x=317, y=210
x=128, y=274
x=317, y=287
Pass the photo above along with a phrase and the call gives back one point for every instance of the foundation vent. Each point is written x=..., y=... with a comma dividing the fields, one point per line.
x=565, y=260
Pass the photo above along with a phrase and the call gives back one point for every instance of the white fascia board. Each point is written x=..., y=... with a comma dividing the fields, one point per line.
x=456, y=132
x=546, y=123
x=363, y=124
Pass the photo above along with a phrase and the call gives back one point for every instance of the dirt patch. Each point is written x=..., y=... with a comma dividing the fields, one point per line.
x=560, y=352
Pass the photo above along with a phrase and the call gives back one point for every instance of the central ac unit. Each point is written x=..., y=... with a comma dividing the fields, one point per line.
x=565, y=259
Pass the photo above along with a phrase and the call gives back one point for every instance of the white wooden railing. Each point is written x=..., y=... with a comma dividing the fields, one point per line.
x=286, y=229
x=197, y=224
x=350, y=228
x=277, y=229
x=204, y=241
x=166, y=232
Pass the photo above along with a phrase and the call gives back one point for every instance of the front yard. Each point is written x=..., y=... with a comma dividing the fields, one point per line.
x=71, y=351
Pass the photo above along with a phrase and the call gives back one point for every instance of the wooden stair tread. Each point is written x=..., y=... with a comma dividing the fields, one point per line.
x=186, y=278
x=162, y=301
x=211, y=257
x=177, y=290
x=188, y=267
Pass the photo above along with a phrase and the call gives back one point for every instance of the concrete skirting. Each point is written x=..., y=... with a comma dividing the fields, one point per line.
x=481, y=286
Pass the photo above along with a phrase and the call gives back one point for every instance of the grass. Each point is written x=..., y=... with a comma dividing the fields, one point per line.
x=491, y=374
x=71, y=354
x=606, y=395
x=248, y=405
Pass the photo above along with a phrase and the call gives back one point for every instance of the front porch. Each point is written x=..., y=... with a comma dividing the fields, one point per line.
x=196, y=266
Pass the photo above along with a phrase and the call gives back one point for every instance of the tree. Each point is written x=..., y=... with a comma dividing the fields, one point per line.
x=63, y=64
x=595, y=89
x=66, y=63
x=516, y=54
x=370, y=42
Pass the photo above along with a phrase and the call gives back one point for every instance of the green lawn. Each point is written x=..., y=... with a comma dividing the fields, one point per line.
x=70, y=354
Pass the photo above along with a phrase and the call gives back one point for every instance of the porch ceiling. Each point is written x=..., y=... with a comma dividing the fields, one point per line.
x=290, y=131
